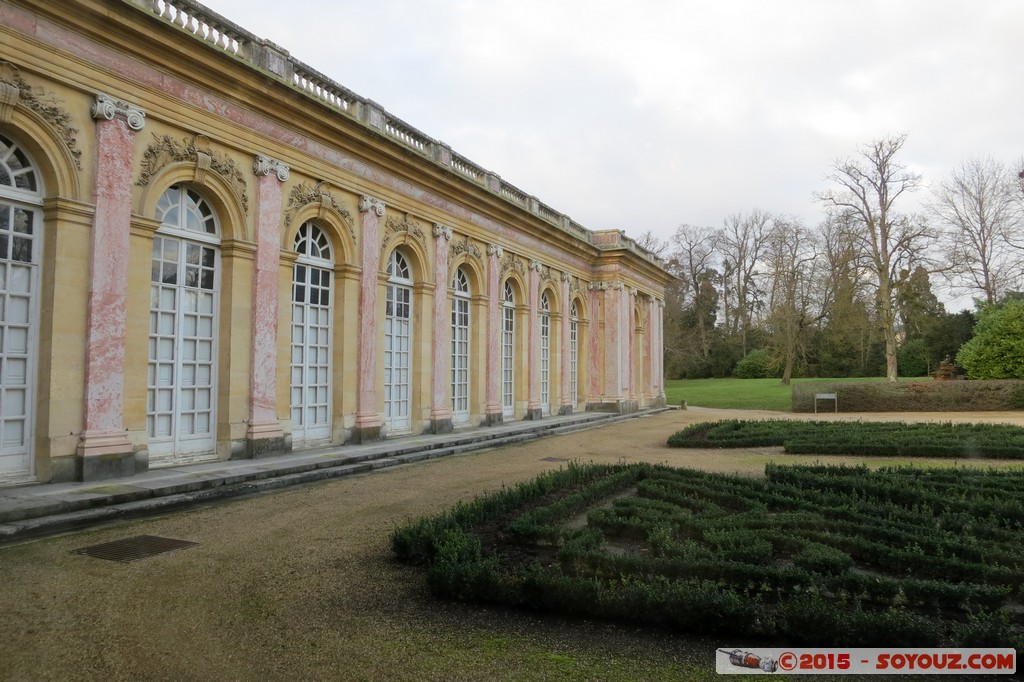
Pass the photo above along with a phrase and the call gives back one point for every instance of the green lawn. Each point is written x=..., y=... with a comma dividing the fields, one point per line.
x=738, y=394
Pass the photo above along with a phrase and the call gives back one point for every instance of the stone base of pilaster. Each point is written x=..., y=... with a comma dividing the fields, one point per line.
x=262, y=439
x=441, y=425
x=110, y=465
x=65, y=469
x=615, y=407
x=533, y=413
x=105, y=455
x=565, y=410
x=364, y=434
x=493, y=419
x=659, y=401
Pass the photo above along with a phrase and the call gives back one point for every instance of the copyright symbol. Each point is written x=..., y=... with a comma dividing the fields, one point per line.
x=787, y=660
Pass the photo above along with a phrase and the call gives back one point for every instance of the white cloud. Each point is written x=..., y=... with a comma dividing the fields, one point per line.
x=659, y=112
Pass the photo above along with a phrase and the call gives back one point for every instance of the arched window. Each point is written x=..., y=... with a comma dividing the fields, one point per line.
x=508, y=338
x=545, y=354
x=312, y=294
x=460, y=347
x=574, y=345
x=398, y=345
x=21, y=222
x=183, y=320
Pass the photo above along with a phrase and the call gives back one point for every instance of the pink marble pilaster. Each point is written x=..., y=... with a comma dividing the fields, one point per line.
x=596, y=339
x=492, y=406
x=651, y=373
x=533, y=365
x=568, y=400
x=371, y=210
x=263, y=421
x=440, y=407
x=634, y=347
x=104, y=432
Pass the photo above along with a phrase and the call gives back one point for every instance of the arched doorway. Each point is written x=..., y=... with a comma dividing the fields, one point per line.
x=21, y=195
x=398, y=345
x=183, y=321
x=312, y=297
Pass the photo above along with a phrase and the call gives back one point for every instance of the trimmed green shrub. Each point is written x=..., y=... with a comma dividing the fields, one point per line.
x=819, y=558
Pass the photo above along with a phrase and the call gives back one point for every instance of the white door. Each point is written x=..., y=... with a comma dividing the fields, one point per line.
x=545, y=354
x=20, y=251
x=460, y=348
x=181, y=397
x=508, y=338
x=311, y=338
x=397, y=346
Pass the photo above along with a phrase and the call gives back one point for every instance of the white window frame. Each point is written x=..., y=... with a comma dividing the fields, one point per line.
x=545, y=354
x=508, y=351
x=176, y=447
x=460, y=359
x=311, y=376
x=17, y=463
x=398, y=377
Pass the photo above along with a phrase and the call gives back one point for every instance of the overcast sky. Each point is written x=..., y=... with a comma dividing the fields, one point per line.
x=648, y=114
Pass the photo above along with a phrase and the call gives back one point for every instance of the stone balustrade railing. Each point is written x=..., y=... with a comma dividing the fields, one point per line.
x=211, y=28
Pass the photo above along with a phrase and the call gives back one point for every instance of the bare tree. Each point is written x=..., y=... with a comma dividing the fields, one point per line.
x=742, y=242
x=790, y=256
x=692, y=261
x=979, y=206
x=868, y=187
x=650, y=242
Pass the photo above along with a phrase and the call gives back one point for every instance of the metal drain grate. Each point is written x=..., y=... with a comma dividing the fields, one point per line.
x=554, y=459
x=133, y=549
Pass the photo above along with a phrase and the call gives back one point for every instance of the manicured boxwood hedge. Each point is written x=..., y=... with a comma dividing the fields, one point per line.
x=912, y=396
x=888, y=439
x=817, y=555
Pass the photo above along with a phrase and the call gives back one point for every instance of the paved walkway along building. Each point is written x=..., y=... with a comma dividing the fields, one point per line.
x=211, y=251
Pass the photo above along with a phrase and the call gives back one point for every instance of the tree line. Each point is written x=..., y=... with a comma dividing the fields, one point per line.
x=765, y=295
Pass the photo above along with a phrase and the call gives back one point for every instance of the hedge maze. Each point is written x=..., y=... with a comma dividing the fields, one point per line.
x=817, y=555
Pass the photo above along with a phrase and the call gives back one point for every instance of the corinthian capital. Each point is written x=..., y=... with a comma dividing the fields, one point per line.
x=106, y=107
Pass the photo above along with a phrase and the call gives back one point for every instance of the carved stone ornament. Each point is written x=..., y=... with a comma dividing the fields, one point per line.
x=304, y=194
x=511, y=263
x=15, y=91
x=495, y=250
x=535, y=265
x=442, y=231
x=464, y=245
x=566, y=276
x=107, y=108
x=618, y=286
x=575, y=286
x=264, y=165
x=166, y=150
x=407, y=225
x=598, y=286
x=368, y=203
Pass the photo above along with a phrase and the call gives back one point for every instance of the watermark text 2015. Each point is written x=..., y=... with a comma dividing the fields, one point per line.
x=881, y=661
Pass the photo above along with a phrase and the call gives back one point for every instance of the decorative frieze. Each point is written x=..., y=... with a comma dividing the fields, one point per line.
x=264, y=165
x=165, y=150
x=107, y=108
x=15, y=91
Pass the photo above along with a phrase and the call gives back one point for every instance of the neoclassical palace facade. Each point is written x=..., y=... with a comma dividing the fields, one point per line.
x=209, y=250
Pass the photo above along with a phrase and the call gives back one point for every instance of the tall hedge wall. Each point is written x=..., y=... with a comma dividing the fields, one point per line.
x=912, y=396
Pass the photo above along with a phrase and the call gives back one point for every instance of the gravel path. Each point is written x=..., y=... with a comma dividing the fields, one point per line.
x=299, y=584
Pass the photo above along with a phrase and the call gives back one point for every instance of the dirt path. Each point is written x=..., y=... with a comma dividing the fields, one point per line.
x=299, y=585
